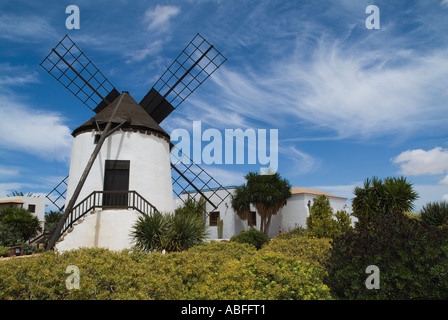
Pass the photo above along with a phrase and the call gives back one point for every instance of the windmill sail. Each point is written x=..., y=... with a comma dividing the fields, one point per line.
x=57, y=194
x=71, y=67
x=190, y=179
x=188, y=71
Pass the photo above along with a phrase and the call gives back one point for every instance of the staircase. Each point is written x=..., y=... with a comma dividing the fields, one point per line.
x=99, y=201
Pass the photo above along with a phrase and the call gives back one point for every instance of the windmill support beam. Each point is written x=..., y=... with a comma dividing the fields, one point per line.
x=117, y=127
x=71, y=203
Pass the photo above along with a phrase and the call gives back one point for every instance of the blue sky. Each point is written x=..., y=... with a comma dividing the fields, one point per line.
x=349, y=103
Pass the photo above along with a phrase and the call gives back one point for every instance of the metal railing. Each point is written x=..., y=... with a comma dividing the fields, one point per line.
x=108, y=200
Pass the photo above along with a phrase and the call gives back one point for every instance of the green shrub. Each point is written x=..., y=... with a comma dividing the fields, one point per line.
x=311, y=250
x=4, y=251
x=297, y=231
x=411, y=255
x=251, y=236
x=227, y=250
x=321, y=223
x=215, y=270
x=264, y=276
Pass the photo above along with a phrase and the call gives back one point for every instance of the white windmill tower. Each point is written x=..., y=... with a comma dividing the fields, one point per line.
x=120, y=164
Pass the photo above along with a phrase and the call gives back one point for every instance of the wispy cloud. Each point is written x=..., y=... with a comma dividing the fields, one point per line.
x=8, y=172
x=141, y=54
x=303, y=162
x=16, y=75
x=34, y=132
x=158, y=18
x=225, y=177
x=345, y=93
x=7, y=188
x=25, y=28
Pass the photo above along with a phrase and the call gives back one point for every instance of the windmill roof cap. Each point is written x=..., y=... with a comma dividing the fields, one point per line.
x=129, y=110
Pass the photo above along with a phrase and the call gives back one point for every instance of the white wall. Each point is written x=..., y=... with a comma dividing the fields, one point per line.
x=295, y=212
x=292, y=215
x=103, y=229
x=150, y=171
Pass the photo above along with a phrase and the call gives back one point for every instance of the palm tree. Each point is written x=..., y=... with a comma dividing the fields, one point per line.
x=267, y=193
x=391, y=196
x=240, y=204
x=51, y=220
x=20, y=222
x=193, y=206
x=21, y=194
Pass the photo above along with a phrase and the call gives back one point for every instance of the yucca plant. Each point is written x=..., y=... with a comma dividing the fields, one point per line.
x=185, y=231
x=170, y=232
x=378, y=197
x=150, y=233
x=435, y=213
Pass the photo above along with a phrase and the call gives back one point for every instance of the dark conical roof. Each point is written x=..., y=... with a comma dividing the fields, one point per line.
x=129, y=109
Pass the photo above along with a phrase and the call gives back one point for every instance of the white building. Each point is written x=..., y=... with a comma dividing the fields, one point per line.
x=130, y=175
x=292, y=215
x=35, y=205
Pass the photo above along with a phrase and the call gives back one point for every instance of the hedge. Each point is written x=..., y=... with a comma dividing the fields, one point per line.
x=208, y=271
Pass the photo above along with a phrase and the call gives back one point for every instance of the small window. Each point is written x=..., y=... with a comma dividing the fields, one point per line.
x=253, y=218
x=96, y=138
x=214, y=217
x=32, y=208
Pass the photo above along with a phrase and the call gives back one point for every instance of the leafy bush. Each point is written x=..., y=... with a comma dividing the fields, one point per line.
x=412, y=258
x=251, y=236
x=213, y=270
x=4, y=251
x=264, y=276
x=297, y=231
x=320, y=222
x=311, y=250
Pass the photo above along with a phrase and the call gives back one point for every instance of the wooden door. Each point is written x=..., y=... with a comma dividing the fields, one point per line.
x=116, y=183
